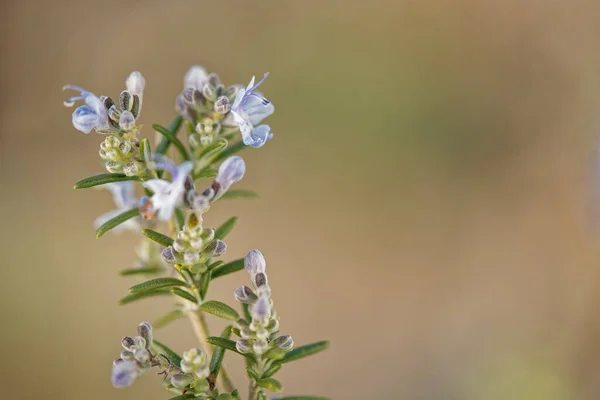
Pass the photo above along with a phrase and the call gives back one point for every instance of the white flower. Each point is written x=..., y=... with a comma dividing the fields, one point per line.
x=125, y=199
x=167, y=195
x=248, y=109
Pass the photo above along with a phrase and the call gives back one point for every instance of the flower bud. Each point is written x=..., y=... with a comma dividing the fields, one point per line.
x=284, y=342
x=216, y=247
x=124, y=373
x=179, y=245
x=254, y=262
x=118, y=360
x=222, y=105
x=126, y=120
x=133, y=168
x=243, y=346
x=169, y=256
x=136, y=83
x=127, y=355
x=114, y=114
x=202, y=372
x=187, y=367
x=126, y=99
x=209, y=92
x=191, y=257
x=260, y=279
x=208, y=234
x=245, y=295
x=196, y=77
x=261, y=309
x=145, y=331
x=127, y=342
x=260, y=346
x=142, y=356
x=181, y=380
x=140, y=342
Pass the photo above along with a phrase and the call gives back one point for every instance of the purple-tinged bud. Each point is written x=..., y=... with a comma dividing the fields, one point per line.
x=136, y=83
x=124, y=373
x=145, y=331
x=169, y=256
x=254, y=262
x=222, y=105
x=284, y=342
x=127, y=342
x=126, y=99
x=126, y=120
x=245, y=295
x=196, y=77
x=260, y=279
x=243, y=346
x=261, y=309
x=216, y=247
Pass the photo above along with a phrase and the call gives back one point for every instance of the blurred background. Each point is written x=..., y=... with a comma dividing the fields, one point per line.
x=428, y=203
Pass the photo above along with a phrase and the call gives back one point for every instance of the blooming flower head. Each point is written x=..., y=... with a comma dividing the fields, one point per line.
x=102, y=114
x=167, y=195
x=248, y=109
x=92, y=115
x=125, y=199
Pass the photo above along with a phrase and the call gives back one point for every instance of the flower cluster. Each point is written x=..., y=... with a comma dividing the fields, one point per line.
x=213, y=110
x=181, y=263
x=256, y=334
x=121, y=149
x=135, y=359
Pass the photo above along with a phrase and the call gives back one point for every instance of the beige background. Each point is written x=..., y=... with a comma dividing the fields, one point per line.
x=428, y=201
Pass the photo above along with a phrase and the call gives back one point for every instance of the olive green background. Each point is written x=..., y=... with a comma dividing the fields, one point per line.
x=428, y=201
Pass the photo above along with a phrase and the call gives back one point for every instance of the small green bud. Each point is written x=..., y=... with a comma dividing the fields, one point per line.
x=208, y=234
x=181, y=380
x=127, y=355
x=202, y=372
x=225, y=396
x=142, y=355
x=243, y=346
x=113, y=167
x=140, y=342
x=284, y=342
x=180, y=246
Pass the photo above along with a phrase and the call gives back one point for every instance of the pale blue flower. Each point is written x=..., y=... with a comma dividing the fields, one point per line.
x=167, y=195
x=248, y=109
x=90, y=116
x=125, y=199
x=230, y=171
x=124, y=374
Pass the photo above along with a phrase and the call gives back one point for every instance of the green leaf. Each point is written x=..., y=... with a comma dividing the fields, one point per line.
x=216, y=264
x=168, y=318
x=305, y=351
x=179, y=219
x=145, y=150
x=206, y=173
x=183, y=397
x=158, y=237
x=224, y=229
x=272, y=370
x=183, y=294
x=246, y=310
x=231, y=150
x=157, y=283
x=170, y=354
x=236, y=332
x=204, y=282
x=240, y=194
x=271, y=384
x=116, y=221
x=227, y=344
x=252, y=373
x=217, y=357
x=209, y=155
x=228, y=268
x=219, y=309
x=140, y=271
x=173, y=139
x=103, y=179
x=174, y=126
x=303, y=398
x=130, y=298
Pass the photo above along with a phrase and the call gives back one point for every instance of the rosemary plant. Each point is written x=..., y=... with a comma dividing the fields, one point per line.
x=177, y=252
